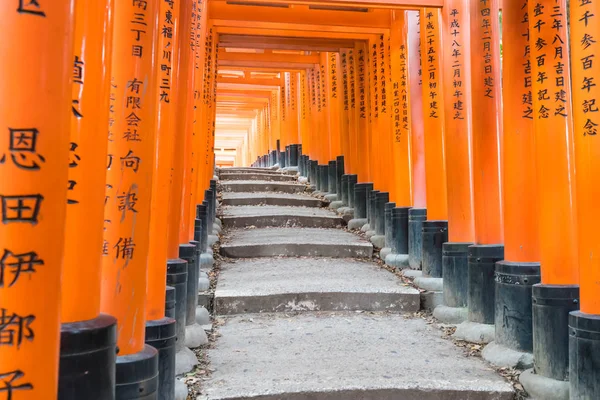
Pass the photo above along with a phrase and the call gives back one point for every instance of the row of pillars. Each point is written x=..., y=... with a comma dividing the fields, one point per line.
x=106, y=112
x=484, y=158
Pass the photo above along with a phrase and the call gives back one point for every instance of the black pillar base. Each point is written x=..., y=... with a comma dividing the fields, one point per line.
x=584, y=355
x=344, y=189
x=88, y=346
x=200, y=233
x=187, y=252
x=455, y=270
x=352, y=181
x=372, y=208
x=332, y=177
x=514, y=282
x=361, y=194
x=314, y=172
x=339, y=171
x=170, y=302
x=323, y=178
x=282, y=160
x=160, y=334
x=208, y=196
x=177, y=278
x=137, y=375
x=551, y=307
x=416, y=217
x=387, y=216
x=434, y=235
x=481, y=284
x=293, y=151
x=400, y=230
x=380, y=199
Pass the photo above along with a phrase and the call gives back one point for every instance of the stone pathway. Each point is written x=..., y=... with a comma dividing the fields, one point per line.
x=308, y=315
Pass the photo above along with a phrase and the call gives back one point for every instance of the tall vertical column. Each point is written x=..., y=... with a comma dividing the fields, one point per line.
x=372, y=64
x=82, y=321
x=456, y=72
x=362, y=104
x=519, y=270
x=334, y=94
x=558, y=293
x=160, y=329
x=37, y=64
x=389, y=175
x=325, y=125
x=584, y=325
x=487, y=129
x=129, y=190
x=345, y=107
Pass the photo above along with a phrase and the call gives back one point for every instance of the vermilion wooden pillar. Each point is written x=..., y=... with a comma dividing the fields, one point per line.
x=433, y=113
x=419, y=194
x=585, y=325
x=85, y=212
x=362, y=103
x=37, y=63
x=400, y=96
x=556, y=202
x=129, y=185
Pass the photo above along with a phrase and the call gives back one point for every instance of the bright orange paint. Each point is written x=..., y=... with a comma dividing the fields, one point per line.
x=324, y=124
x=184, y=126
x=365, y=174
x=304, y=111
x=587, y=150
x=375, y=157
x=521, y=236
x=35, y=93
x=293, y=109
x=400, y=91
x=433, y=114
x=390, y=176
x=553, y=142
x=163, y=153
x=487, y=122
x=129, y=182
x=457, y=101
x=88, y=160
x=417, y=152
x=335, y=93
x=346, y=112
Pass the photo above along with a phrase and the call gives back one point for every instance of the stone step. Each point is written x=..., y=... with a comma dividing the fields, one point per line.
x=261, y=186
x=271, y=199
x=292, y=242
x=248, y=170
x=248, y=176
x=264, y=216
x=289, y=284
x=343, y=356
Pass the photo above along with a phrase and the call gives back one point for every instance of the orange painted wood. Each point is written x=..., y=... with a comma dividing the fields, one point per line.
x=129, y=186
x=345, y=113
x=434, y=113
x=163, y=154
x=521, y=236
x=487, y=122
x=553, y=141
x=417, y=152
x=334, y=93
x=401, y=141
x=363, y=105
x=37, y=66
x=88, y=160
x=184, y=99
x=457, y=100
x=587, y=147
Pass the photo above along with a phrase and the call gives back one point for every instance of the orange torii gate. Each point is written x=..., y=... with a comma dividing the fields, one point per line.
x=372, y=101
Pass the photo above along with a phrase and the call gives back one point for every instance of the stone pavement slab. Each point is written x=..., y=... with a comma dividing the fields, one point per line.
x=289, y=284
x=315, y=242
x=274, y=199
x=251, y=170
x=261, y=186
x=263, y=216
x=259, y=176
x=343, y=356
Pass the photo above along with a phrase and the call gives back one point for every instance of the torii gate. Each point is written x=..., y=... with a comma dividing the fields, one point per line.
x=103, y=99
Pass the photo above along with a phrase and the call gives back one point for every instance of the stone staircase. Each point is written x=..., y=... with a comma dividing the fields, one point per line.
x=308, y=315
